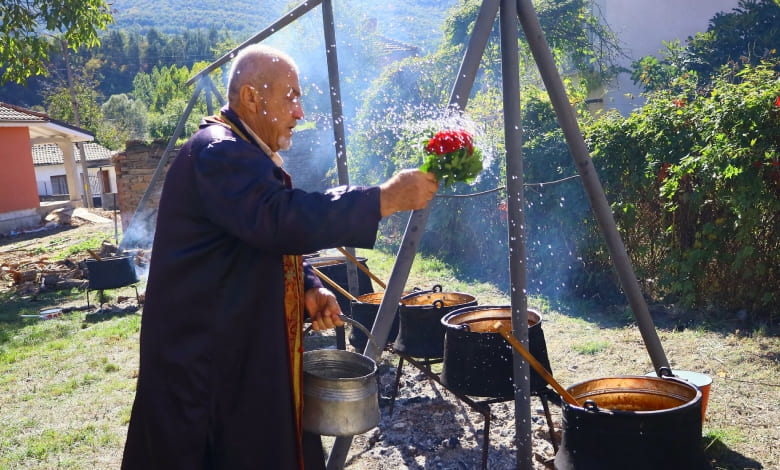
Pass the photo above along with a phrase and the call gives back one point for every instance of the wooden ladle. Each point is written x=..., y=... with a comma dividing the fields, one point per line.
x=361, y=267
x=538, y=367
x=333, y=284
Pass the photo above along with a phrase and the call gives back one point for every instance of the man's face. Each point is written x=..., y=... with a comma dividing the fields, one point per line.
x=280, y=110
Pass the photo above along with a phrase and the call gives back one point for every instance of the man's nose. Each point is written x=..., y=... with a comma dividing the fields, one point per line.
x=298, y=112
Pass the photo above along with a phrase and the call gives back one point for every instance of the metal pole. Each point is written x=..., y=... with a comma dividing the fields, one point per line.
x=293, y=15
x=513, y=134
x=116, y=227
x=598, y=200
x=163, y=160
x=336, y=109
x=337, y=116
x=416, y=225
x=216, y=92
x=209, y=103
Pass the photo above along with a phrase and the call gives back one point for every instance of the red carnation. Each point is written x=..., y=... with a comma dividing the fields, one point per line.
x=450, y=140
x=777, y=102
x=451, y=156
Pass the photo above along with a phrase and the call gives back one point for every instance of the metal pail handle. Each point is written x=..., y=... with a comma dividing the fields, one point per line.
x=356, y=323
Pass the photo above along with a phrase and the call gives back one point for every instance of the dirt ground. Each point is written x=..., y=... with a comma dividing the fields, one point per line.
x=430, y=428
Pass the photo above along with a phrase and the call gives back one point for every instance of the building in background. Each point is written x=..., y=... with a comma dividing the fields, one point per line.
x=642, y=26
x=50, y=173
x=20, y=129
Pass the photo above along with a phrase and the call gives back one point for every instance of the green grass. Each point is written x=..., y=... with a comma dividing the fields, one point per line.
x=427, y=272
x=61, y=247
x=66, y=386
x=590, y=347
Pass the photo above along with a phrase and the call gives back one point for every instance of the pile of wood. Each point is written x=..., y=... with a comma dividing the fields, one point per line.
x=41, y=274
x=31, y=275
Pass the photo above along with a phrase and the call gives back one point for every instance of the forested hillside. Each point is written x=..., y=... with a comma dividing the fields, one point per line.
x=412, y=21
x=165, y=33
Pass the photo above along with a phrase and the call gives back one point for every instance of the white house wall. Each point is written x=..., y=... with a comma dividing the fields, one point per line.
x=43, y=174
x=642, y=26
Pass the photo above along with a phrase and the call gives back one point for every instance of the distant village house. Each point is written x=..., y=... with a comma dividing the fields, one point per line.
x=38, y=161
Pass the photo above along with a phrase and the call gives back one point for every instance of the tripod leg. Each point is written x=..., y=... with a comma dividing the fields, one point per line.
x=398, y=374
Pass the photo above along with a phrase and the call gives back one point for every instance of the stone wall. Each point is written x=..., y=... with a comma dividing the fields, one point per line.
x=134, y=170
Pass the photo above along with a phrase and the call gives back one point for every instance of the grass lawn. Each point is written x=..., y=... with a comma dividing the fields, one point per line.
x=67, y=384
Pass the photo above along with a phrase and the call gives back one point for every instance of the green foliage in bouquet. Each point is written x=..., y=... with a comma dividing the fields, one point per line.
x=451, y=156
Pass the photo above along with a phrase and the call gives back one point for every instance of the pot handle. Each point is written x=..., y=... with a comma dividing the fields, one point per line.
x=590, y=405
x=355, y=323
x=438, y=303
x=436, y=288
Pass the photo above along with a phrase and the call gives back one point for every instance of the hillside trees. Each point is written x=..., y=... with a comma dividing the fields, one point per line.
x=165, y=95
x=128, y=118
x=30, y=29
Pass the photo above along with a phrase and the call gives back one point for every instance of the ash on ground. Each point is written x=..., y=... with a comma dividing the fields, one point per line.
x=431, y=428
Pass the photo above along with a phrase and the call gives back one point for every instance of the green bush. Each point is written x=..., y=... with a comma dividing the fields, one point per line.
x=694, y=180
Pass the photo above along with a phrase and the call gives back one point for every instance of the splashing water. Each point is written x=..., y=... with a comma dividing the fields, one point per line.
x=420, y=120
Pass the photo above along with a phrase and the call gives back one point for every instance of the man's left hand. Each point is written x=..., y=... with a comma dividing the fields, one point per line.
x=323, y=308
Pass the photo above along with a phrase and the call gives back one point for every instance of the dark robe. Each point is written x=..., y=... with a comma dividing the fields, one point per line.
x=214, y=387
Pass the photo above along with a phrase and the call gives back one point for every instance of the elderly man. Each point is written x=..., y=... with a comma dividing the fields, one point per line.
x=219, y=384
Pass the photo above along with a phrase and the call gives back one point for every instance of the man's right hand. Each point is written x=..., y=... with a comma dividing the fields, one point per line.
x=407, y=190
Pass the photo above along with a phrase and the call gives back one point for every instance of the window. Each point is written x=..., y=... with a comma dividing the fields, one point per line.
x=59, y=184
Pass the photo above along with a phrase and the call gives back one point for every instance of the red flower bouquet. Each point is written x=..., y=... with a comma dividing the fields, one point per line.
x=451, y=156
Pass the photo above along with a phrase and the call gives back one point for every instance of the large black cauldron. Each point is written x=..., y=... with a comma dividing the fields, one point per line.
x=478, y=360
x=420, y=332
x=111, y=273
x=363, y=311
x=641, y=423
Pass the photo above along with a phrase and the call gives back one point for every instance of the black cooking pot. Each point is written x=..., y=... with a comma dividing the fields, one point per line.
x=364, y=311
x=111, y=273
x=420, y=332
x=478, y=360
x=636, y=422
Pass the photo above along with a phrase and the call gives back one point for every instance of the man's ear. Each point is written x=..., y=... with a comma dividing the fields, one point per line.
x=250, y=98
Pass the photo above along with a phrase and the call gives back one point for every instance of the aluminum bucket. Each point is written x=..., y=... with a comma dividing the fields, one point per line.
x=340, y=392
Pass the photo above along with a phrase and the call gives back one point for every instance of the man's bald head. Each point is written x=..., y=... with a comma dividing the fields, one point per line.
x=263, y=90
x=259, y=66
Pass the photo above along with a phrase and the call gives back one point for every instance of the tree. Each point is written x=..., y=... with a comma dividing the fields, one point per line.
x=128, y=117
x=27, y=26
